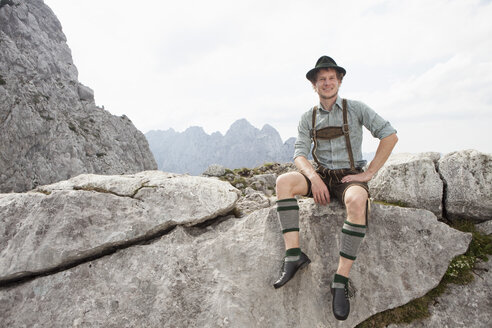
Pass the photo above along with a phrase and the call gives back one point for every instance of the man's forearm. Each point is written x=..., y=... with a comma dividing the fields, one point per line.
x=385, y=147
x=305, y=167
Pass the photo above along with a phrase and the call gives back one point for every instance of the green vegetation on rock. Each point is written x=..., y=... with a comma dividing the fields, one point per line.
x=397, y=203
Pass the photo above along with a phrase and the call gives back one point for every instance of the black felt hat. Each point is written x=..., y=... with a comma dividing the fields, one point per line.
x=324, y=62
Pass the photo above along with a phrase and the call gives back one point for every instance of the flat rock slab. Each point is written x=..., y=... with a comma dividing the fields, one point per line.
x=222, y=275
x=468, y=177
x=410, y=180
x=86, y=216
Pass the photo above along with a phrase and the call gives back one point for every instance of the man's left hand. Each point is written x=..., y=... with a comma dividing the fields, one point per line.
x=361, y=177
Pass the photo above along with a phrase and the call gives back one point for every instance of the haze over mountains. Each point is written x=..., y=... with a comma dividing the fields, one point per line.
x=243, y=145
x=193, y=150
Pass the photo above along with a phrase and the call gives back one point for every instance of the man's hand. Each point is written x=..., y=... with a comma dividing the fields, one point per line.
x=385, y=147
x=361, y=177
x=319, y=190
x=318, y=187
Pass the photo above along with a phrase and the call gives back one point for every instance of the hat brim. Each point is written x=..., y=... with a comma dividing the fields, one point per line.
x=310, y=75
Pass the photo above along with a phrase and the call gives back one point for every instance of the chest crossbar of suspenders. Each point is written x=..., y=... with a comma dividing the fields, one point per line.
x=332, y=132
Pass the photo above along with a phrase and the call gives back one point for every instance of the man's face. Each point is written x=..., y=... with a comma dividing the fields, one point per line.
x=327, y=83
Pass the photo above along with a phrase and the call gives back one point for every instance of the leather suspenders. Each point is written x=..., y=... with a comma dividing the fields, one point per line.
x=332, y=132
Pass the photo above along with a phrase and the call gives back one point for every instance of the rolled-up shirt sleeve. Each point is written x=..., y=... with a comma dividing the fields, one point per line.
x=303, y=141
x=378, y=126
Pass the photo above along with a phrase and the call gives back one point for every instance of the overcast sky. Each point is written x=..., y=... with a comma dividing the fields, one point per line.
x=426, y=66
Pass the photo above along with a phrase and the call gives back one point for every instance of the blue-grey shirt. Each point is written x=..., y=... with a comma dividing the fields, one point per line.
x=333, y=154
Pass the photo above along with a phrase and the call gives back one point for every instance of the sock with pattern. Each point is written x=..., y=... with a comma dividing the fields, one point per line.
x=352, y=235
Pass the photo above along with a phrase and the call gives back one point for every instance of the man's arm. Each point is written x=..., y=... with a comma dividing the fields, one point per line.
x=385, y=147
x=318, y=187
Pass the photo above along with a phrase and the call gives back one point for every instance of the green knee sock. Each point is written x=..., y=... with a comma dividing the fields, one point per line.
x=352, y=235
x=288, y=214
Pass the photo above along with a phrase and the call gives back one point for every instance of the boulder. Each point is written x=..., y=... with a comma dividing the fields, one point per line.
x=50, y=127
x=65, y=223
x=85, y=93
x=468, y=178
x=264, y=183
x=485, y=227
x=221, y=275
x=462, y=305
x=410, y=180
x=215, y=170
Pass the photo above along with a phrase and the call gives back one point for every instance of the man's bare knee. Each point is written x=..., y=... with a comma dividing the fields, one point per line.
x=355, y=201
x=284, y=184
x=290, y=184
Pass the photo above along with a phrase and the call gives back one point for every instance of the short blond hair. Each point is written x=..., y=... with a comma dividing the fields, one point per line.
x=315, y=75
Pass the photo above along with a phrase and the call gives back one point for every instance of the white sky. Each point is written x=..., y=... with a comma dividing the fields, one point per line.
x=426, y=66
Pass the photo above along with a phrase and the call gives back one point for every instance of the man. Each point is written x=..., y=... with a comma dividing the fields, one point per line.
x=335, y=128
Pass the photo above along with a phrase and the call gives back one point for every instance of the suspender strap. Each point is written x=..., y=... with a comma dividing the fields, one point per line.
x=313, y=135
x=346, y=133
x=345, y=130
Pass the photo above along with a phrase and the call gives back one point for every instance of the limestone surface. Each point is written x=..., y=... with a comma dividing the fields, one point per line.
x=50, y=127
x=253, y=201
x=221, y=275
x=462, y=306
x=410, y=180
x=64, y=223
x=468, y=178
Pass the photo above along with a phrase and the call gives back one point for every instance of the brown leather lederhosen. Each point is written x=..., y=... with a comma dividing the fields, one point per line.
x=332, y=132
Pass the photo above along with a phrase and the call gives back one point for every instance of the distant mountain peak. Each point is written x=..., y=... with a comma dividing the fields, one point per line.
x=242, y=123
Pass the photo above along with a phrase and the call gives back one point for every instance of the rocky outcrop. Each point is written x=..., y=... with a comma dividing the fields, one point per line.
x=468, y=177
x=50, y=127
x=455, y=186
x=220, y=275
x=410, y=180
x=462, y=305
x=88, y=216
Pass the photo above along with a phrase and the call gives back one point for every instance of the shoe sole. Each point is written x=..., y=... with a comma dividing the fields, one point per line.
x=299, y=269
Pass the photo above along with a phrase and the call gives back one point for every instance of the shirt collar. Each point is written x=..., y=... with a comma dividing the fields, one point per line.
x=338, y=102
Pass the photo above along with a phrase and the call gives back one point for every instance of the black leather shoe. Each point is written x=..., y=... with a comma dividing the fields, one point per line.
x=340, y=302
x=289, y=269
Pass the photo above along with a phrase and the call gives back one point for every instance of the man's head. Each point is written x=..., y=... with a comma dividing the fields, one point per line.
x=326, y=83
x=325, y=62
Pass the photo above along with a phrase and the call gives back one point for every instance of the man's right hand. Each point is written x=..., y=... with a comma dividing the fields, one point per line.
x=319, y=190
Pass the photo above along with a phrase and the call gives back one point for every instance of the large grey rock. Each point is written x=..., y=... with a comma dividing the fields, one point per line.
x=50, y=127
x=410, y=179
x=221, y=275
x=89, y=215
x=462, y=305
x=468, y=178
